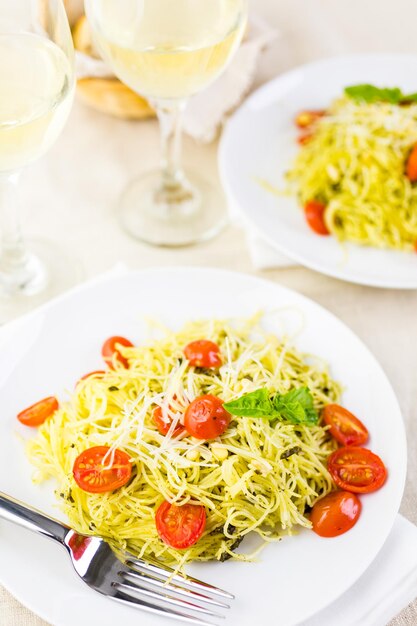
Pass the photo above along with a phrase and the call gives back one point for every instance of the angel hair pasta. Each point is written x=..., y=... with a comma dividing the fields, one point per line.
x=353, y=160
x=261, y=476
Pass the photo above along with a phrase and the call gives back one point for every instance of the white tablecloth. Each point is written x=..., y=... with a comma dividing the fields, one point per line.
x=71, y=197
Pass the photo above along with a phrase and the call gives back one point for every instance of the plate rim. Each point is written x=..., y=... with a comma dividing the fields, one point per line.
x=225, y=142
x=286, y=291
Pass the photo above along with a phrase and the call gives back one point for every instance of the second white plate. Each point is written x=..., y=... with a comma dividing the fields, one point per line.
x=260, y=143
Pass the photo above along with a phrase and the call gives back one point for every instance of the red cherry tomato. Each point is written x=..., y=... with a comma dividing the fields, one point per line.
x=38, y=413
x=335, y=514
x=111, y=353
x=203, y=353
x=411, y=168
x=357, y=470
x=314, y=212
x=96, y=374
x=97, y=470
x=304, y=119
x=164, y=426
x=344, y=426
x=180, y=526
x=305, y=137
x=206, y=418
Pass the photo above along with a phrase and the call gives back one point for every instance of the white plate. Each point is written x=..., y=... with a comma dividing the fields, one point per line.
x=49, y=350
x=260, y=143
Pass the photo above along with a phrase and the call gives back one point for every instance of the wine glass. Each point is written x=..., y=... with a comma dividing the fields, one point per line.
x=36, y=93
x=167, y=51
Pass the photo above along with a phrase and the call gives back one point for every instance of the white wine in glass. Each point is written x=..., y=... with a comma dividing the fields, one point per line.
x=36, y=93
x=35, y=97
x=167, y=51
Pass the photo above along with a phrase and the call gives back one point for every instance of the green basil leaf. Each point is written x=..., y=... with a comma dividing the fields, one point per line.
x=296, y=406
x=292, y=412
x=301, y=395
x=254, y=404
x=370, y=93
x=412, y=97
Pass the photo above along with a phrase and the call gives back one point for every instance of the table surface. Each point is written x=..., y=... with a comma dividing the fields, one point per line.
x=69, y=197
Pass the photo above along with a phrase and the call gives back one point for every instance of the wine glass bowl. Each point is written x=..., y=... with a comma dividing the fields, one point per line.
x=36, y=85
x=168, y=51
x=163, y=49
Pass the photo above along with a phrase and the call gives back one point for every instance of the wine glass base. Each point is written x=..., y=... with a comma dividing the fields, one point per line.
x=197, y=213
x=48, y=272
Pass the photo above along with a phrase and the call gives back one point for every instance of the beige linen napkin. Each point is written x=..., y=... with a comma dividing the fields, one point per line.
x=263, y=255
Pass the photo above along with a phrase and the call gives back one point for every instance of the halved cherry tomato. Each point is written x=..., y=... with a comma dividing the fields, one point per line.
x=344, y=426
x=164, y=426
x=180, y=526
x=203, y=353
x=206, y=418
x=38, y=413
x=357, y=469
x=111, y=353
x=411, y=169
x=97, y=470
x=304, y=138
x=335, y=514
x=96, y=373
x=304, y=119
x=314, y=212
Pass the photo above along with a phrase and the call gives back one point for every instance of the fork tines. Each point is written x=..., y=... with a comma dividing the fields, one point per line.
x=168, y=573
x=163, y=591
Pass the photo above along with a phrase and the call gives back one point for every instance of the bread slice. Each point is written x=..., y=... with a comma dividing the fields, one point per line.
x=107, y=95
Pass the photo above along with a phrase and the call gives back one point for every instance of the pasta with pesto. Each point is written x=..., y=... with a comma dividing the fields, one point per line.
x=261, y=476
x=353, y=162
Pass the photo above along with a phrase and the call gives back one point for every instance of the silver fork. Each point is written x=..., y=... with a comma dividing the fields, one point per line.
x=121, y=577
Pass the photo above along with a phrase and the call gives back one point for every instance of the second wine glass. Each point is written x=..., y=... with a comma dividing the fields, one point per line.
x=37, y=82
x=167, y=51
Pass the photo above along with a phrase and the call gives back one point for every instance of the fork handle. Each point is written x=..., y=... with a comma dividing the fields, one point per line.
x=14, y=511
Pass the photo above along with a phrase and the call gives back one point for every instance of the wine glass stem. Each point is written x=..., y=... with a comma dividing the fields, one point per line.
x=13, y=250
x=170, y=115
x=21, y=273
